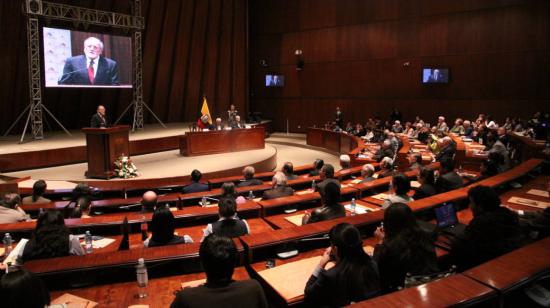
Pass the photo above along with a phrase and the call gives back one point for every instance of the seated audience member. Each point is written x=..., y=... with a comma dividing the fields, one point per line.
x=288, y=170
x=38, y=189
x=493, y=231
x=345, y=162
x=349, y=128
x=448, y=179
x=21, y=288
x=51, y=238
x=535, y=223
x=487, y=169
x=279, y=188
x=458, y=128
x=423, y=135
x=367, y=173
x=415, y=161
x=327, y=176
x=317, y=165
x=397, y=127
x=229, y=224
x=447, y=148
x=162, y=229
x=228, y=191
x=330, y=209
x=249, y=180
x=503, y=136
x=398, y=192
x=82, y=208
x=426, y=179
x=492, y=125
x=384, y=151
x=403, y=248
x=354, y=276
x=442, y=125
x=494, y=145
x=359, y=131
x=218, y=257
x=409, y=130
x=11, y=211
x=386, y=168
x=468, y=129
x=148, y=201
x=81, y=190
x=237, y=123
x=196, y=185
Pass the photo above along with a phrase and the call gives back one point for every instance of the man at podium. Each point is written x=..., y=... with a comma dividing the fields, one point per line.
x=99, y=119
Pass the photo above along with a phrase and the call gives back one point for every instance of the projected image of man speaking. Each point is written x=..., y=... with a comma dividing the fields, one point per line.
x=90, y=68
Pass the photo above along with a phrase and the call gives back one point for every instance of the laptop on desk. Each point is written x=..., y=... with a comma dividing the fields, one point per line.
x=446, y=221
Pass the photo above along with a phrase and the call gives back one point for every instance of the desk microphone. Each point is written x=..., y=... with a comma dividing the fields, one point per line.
x=130, y=206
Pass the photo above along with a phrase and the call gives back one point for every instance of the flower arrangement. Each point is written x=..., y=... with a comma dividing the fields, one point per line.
x=125, y=168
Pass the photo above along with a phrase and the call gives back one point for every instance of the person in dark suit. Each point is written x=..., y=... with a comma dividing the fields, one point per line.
x=426, y=179
x=218, y=257
x=195, y=185
x=494, y=230
x=288, y=170
x=317, y=165
x=403, y=248
x=339, y=117
x=148, y=201
x=249, y=180
x=386, y=168
x=354, y=276
x=447, y=148
x=229, y=224
x=384, y=151
x=415, y=159
x=218, y=125
x=279, y=188
x=367, y=173
x=327, y=176
x=100, y=119
x=448, y=178
x=435, y=76
x=90, y=68
x=237, y=123
x=330, y=209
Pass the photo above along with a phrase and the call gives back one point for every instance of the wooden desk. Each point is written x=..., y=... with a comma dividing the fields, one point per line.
x=451, y=291
x=212, y=142
x=335, y=142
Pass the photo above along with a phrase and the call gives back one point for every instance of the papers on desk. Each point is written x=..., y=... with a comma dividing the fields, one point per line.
x=16, y=252
x=529, y=202
x=193, y=284
x=466, y=139
x=295, y=219
x=73, y=301
x=289, y=280
x=102, y=243
x=415, y=184
x=360, y=208
x=257, y=199
x=381, y=196
x=356, y=181
x=538, y=192
x=304, y=192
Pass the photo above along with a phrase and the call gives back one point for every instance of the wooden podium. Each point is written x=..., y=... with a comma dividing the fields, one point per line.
x=103, y=147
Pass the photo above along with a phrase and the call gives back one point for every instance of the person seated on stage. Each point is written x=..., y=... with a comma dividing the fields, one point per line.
x=229, y=224
x=237, y=123
x=100, y=119
x=367, y=173
x=148, y=202
x=397, y=127
x=21, y=288
x=415, y=161
x=494, y=230
x=330, y=209
x=386, y=168
x=51, y=238
x=38, y=190
x=196, y=185
x=11, y=211
x=400, y=186
x=279, y=188
x=345, y=162
x=458, y=128
x=218, y=125
x=384, y=151
x=447, y=147
x=317, y=165
x=82, y=208
x=448, y=179
x=288, y=170
x=354, y=276
x=162, y=229
x=327, y=176
x=468, y=129
x=426, y=178
x=403, y=247
x=228, y=191
x=249, y=180
x=218, y=256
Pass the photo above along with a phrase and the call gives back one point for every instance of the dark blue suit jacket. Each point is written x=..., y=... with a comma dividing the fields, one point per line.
x=76, y=72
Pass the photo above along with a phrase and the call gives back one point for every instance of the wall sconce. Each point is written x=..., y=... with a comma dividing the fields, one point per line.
x=299, y=59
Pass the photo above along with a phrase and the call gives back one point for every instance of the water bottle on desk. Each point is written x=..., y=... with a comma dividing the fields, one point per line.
x=88, y=242
x=203, y=201
x=142, y=278
x=250, y=195
x=352, y=206
x=313, y=185
x=8, y=242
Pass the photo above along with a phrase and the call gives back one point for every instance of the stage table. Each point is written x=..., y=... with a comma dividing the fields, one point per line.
x=212, y=142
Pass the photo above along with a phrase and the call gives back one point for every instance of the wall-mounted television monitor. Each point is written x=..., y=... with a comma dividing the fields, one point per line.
x=274, y=80
x=435, y=75
x=75, y=59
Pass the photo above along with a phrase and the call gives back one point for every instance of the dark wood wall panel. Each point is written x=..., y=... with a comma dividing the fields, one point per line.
x=355, y=50
x=190, y=48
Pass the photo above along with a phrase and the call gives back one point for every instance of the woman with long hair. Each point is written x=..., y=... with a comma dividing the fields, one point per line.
x=51, y=238
x=162, y=228
x=354, y=276
x=228, y=191
x=403, y=248
x=20, y=288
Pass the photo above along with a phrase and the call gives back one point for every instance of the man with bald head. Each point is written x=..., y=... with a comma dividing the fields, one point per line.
x=149, y=201
x=91, y=68
x=99, y=119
